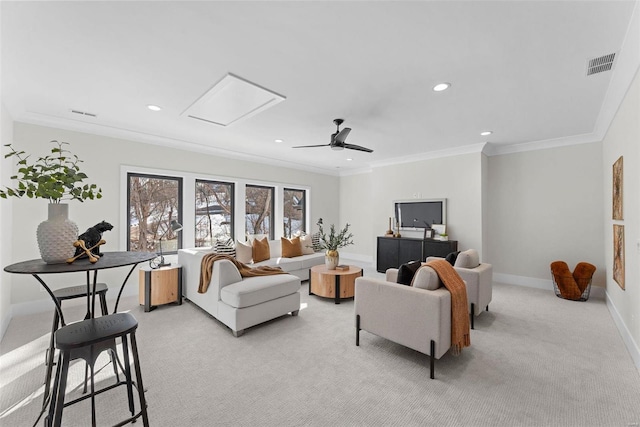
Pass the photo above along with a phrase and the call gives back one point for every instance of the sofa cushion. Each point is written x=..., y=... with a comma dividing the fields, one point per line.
x=226, y=247
x=468, y=259
x=407, y=271
x=291, y=248
x=243, y=252
x=451, y=257
x=307, y=245
x=260, y=250
x=426, y=278
x=256, y=290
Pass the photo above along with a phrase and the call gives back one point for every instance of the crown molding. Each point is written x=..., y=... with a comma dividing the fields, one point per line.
x=163, y=141
x=493, y=149
x=430, y=155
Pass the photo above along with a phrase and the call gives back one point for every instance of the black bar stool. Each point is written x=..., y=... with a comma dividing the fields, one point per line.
x=73, y=292
x=86, y=340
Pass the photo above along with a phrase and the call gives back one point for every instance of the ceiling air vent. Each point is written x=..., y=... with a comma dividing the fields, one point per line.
x=84, y=113
x=601, y=64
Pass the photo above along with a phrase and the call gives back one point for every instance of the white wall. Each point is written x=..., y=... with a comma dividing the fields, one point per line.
x=543, y=206
x=355, y=208
x=103, y=158
x=623, y=139
x=6, y=228
x=370, y=197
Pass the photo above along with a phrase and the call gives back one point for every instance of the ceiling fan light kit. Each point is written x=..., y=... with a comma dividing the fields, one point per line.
x=337, y=140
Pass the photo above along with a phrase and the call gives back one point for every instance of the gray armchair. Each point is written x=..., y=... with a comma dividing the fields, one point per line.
x=418, y=317
x=479, y=279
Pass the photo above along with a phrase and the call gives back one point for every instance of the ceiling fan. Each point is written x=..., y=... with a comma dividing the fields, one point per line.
x=337, y=140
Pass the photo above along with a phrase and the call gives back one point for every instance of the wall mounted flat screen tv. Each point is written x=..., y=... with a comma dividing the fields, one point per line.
x=420, y=214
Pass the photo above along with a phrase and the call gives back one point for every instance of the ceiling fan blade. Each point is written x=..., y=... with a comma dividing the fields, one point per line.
x=340, y=137
x=311, y=146
x=357, y=147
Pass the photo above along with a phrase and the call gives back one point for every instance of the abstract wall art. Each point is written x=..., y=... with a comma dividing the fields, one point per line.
x=617, y=190
x=618, y=254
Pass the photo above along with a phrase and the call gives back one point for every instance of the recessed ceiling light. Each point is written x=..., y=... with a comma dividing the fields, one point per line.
x=486, y=132
x=154, y=107
x=349, y=159
x=279, y=141
x=441, y=86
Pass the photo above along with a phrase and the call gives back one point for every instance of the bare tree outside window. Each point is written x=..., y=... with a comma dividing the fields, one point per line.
x=259, y=210
x=214, y=212
x=294, y=211
x=154, y=201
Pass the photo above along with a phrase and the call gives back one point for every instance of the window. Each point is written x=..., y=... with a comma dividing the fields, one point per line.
x=214, y=212
x=259, y=210
x=152, y=203
x=294, y=211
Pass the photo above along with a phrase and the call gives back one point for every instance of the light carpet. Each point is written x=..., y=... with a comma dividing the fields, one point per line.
x=534, y=360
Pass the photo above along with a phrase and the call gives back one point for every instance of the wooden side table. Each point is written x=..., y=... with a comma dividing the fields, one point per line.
x=160, y=286
x=335, y=284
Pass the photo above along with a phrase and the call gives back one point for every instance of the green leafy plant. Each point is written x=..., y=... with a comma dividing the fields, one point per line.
x=334, y=240
x=55, y=177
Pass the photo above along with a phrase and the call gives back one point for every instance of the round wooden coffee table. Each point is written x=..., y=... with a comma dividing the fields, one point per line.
x=335, y=284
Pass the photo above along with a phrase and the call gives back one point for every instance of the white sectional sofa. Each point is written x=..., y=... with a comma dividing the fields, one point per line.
x=241, y=302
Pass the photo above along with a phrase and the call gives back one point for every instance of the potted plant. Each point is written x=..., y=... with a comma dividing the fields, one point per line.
x=333, y=242
x=56, y=177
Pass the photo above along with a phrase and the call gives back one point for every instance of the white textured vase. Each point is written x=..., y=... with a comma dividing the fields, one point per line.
x=331, y=259
x=57, y=234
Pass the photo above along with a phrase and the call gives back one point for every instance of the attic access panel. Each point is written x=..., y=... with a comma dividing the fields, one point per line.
x=230, y=100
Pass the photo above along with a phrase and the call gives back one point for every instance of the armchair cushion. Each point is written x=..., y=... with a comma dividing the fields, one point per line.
x=407, y=271
x=468, y=259
x=426, y=278
x=452, y=257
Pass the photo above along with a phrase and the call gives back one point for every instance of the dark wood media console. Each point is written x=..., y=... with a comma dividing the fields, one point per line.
x=393, y=252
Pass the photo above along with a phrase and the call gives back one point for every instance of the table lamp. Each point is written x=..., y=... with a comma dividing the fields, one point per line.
x=175, y=226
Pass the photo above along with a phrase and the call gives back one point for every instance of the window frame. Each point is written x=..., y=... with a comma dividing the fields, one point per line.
x=304, y=209
x=271, y=208
x=180, y=198
x=233, y=204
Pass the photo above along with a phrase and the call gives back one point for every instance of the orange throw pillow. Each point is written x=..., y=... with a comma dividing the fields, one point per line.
x=291, y=247
x=260, y=250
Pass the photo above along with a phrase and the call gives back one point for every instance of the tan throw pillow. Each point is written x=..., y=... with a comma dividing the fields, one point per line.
x=306, y=244
x=243, y=252
x=426, y=278
x=260, y=250
x=468, y=259
x=291, y=247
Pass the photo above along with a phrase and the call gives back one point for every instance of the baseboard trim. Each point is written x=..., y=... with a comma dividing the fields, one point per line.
x=546, y=284
x=5, y=322
x=530, y=282
x=357, y=257
x=627, y=338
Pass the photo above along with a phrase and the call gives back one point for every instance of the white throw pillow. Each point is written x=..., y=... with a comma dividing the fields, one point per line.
x=307, y=245
x=426, y=278
x=468, y=259
x=244, y=252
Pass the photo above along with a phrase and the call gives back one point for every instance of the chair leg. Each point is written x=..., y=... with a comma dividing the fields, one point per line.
x=49, y=357
x=127, y=373
x=112, y=355
x=432, y=358
x=93, y=388
x=136, y=363
x=63, y=369
x=357, y=329
x=473, y=310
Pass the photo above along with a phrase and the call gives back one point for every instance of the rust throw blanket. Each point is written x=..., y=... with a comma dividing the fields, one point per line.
x=206, y=269
x=460, y=329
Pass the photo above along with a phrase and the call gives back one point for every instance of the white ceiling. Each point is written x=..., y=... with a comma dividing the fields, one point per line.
x=517, y=68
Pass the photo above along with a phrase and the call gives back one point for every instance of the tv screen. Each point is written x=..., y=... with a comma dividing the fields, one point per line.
x=420, y=213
